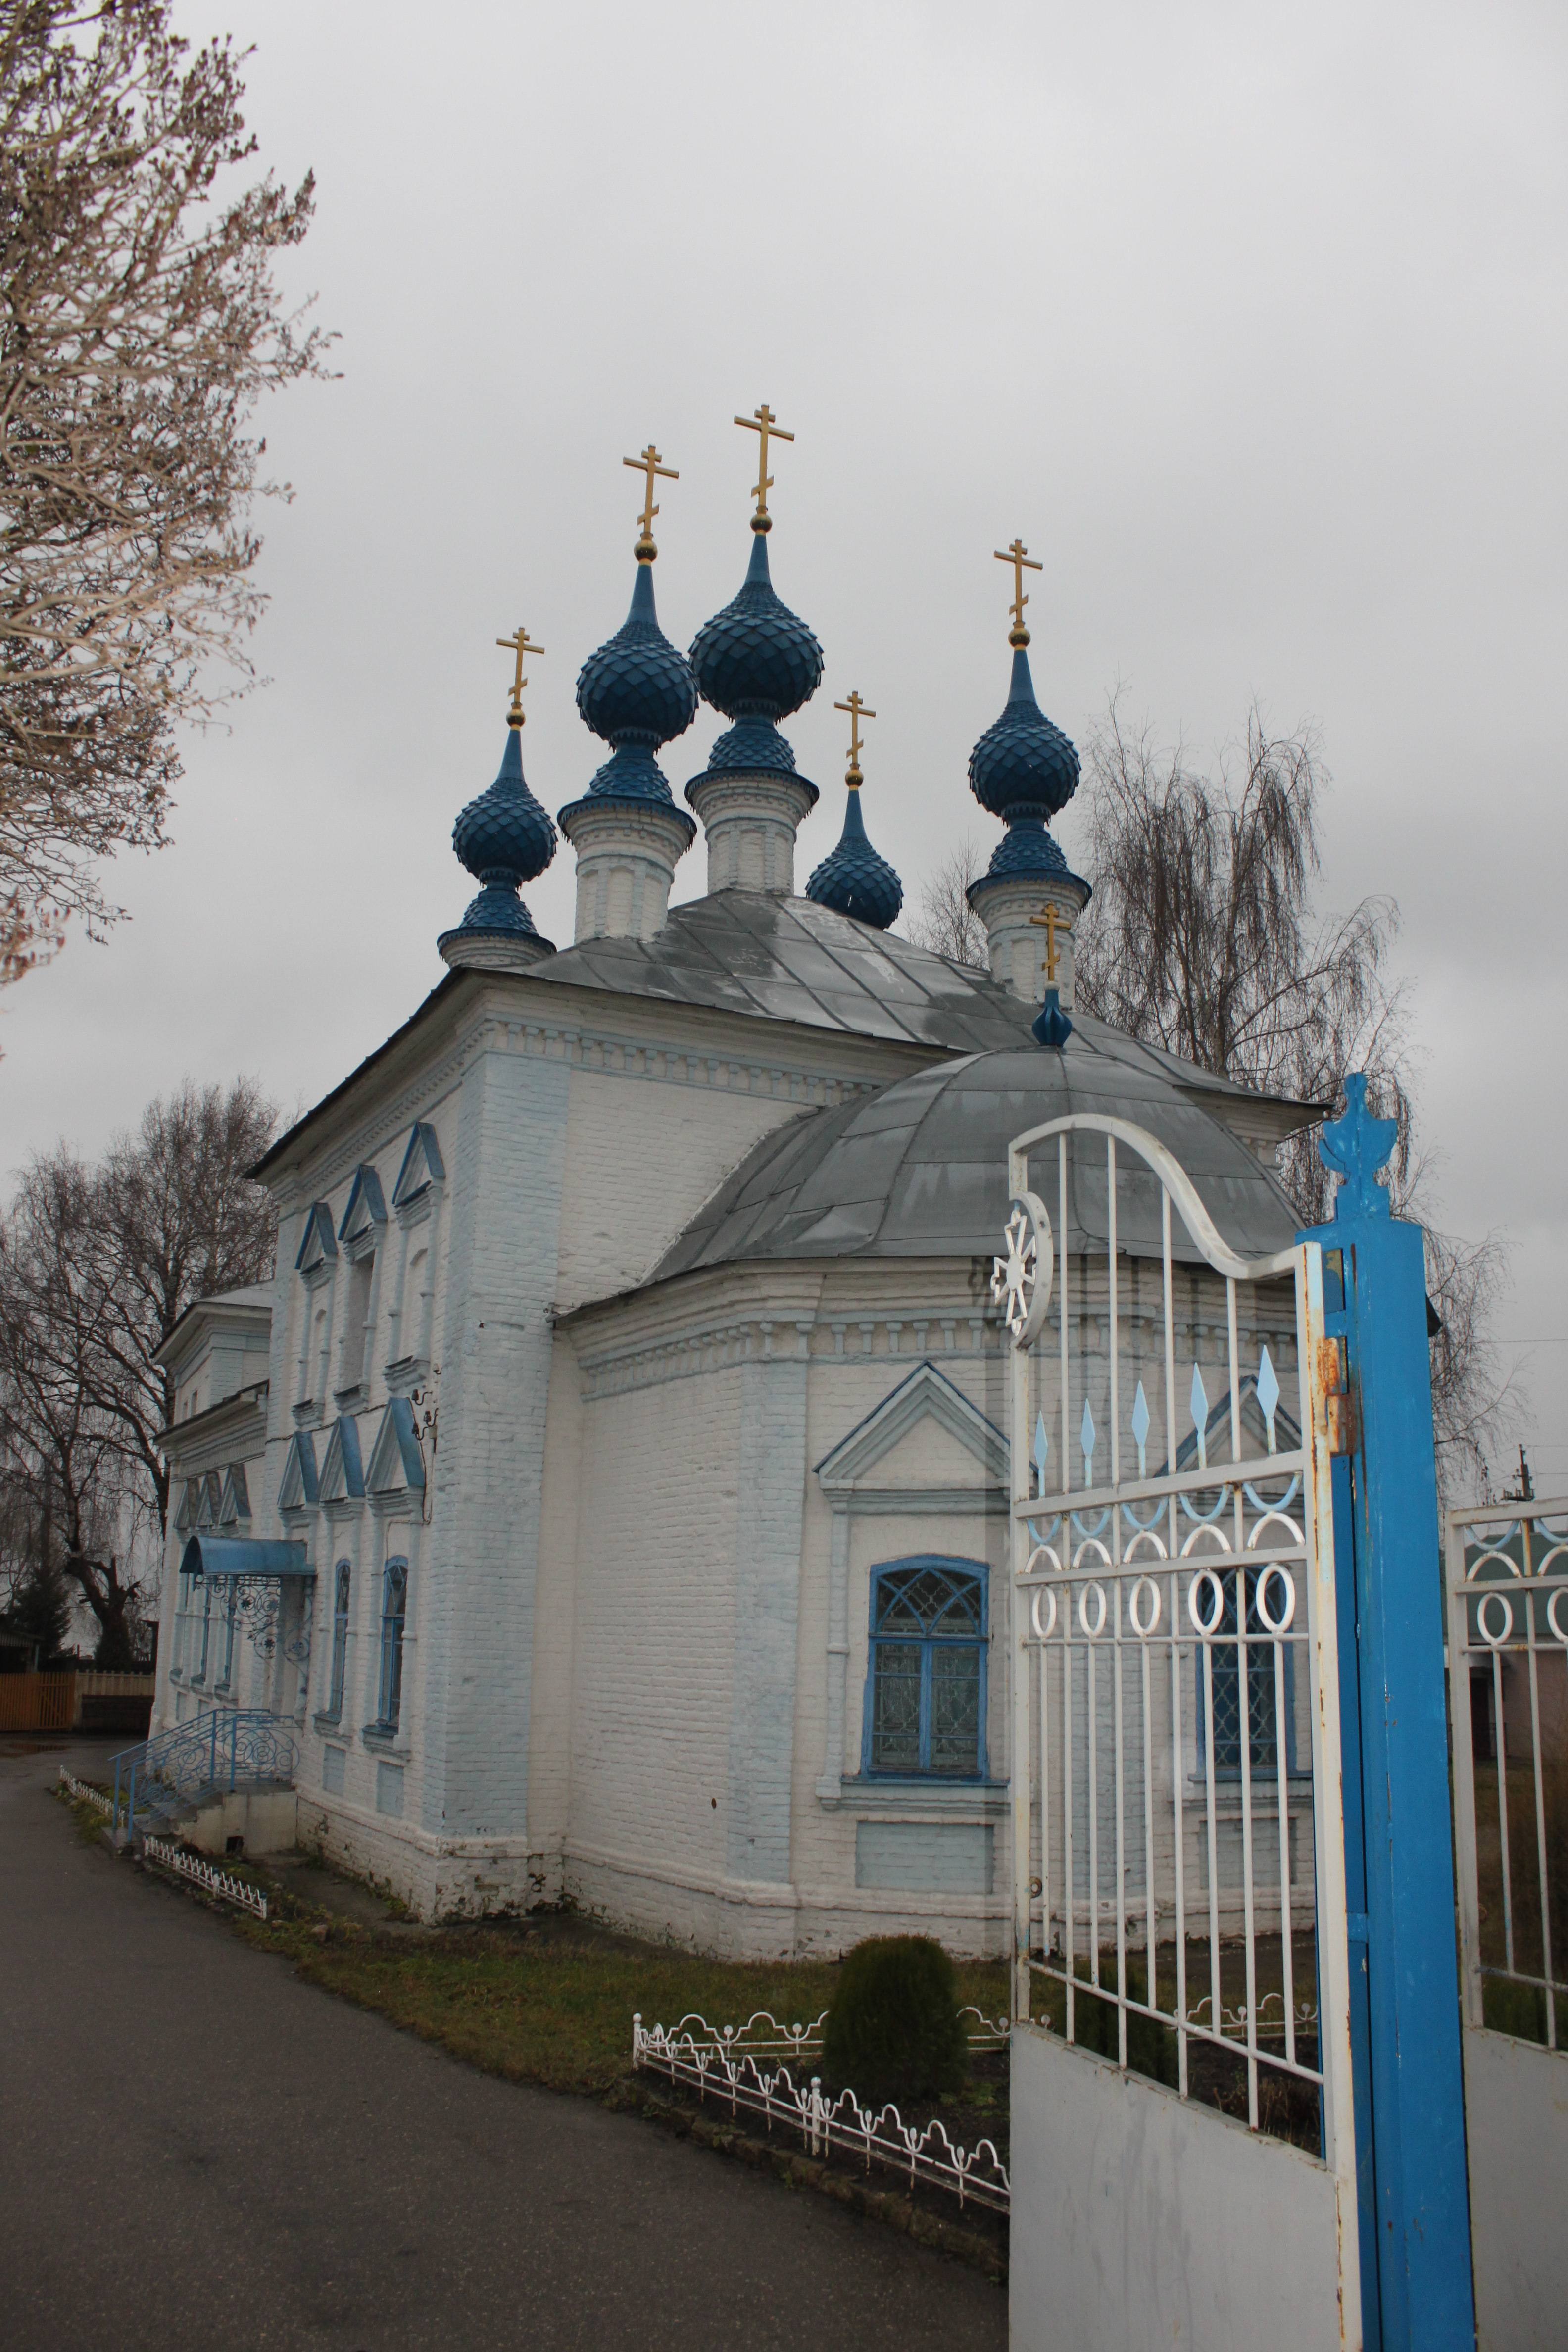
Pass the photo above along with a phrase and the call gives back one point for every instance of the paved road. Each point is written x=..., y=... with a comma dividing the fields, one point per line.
x=198, y=2150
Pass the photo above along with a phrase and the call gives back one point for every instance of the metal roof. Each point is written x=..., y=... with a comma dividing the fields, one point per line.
x=790, y=960
x=920, y=1170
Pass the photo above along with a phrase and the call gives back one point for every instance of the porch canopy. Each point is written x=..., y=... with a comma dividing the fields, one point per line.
x=214, y=1555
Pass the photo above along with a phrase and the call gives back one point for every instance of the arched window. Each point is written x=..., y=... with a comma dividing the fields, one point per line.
x=394, y=1607
x=341, y=1579
x=925, y=1693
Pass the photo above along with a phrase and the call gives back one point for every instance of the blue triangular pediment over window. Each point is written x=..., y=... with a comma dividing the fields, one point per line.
x=342, y=1477
x=396, y=1464
x=320, y=1241
x=300, y=1489
x=235, y=1504
x=367, y=1203
x=422, y=1166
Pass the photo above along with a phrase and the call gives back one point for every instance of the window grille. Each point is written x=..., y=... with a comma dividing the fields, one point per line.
x=393, y=1606
x=926, y=1694
x=340, y=1635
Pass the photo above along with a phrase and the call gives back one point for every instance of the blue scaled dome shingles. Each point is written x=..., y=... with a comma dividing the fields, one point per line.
x=638, y=692
x=1024, y=770
x=853, y=879
x=505, y=839
x=756, y=661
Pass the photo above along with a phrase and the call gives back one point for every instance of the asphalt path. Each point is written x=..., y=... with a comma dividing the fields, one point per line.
x=198, y=2150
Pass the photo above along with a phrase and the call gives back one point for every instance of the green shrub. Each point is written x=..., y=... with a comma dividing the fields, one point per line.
x=893, y=2029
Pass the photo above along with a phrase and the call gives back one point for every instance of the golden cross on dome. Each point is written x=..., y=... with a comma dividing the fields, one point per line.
x=1018, y=556
x=648, y=464
x=1050, y=922
x=763, y=421
x=520, y=644
x=857, y=711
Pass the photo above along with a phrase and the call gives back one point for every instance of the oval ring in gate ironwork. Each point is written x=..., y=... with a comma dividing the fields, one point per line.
x=1047, y=1593
x=1494, y=1640
x=1210, y=1626
x=1098, y=1628
x=1283, y=1623
x=1139, y=1627
x=1561, y=1632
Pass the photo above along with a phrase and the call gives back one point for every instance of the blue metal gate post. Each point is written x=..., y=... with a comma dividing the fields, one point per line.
x=1416, y=2290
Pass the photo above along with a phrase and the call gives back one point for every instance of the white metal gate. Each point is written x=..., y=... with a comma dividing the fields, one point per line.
x=1178, y=1840
x=1506, y=1586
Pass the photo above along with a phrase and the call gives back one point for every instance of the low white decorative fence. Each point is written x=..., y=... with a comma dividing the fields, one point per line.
x=732, y=2062
x=84, y=1794
x=204, y=1874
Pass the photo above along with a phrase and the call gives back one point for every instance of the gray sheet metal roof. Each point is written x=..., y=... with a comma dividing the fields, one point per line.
x=791, y=959
x=920, y=1170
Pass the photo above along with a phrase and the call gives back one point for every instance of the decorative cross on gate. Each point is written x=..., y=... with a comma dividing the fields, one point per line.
x=1355, y=1147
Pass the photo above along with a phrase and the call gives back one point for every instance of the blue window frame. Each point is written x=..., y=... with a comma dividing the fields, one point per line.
x=341, y=1579
x=201, y=1674
x=925, y=1691
x=394, y=1611
x=1262, y=1707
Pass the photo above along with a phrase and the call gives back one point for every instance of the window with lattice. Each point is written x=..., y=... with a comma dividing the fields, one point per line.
x=925, y=1700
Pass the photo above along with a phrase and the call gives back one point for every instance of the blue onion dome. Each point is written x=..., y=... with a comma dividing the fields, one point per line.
x=756, y=661
x=1023, y=766
x=638, y=692
x=504, y=838
x=853, y=879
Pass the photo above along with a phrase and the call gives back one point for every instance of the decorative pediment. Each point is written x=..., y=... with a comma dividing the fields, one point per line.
x=342, y=1475
x=397, y=1466
x=319, y=1245
x=236, y=1504
x=926, y=1396
x=185, y=1514
x=422, y=1166
x=367, y=1204
x=209, y=1502
x=300, y=1489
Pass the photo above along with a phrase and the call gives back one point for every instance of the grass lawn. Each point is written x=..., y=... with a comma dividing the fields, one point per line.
x=553, y=2005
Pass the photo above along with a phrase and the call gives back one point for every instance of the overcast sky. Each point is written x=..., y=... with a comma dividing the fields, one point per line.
x=1249, y=319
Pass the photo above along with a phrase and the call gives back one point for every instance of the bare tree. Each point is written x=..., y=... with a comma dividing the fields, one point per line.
x=138, y=327
x=1202, y=937
x=946, y=923
x=97, y=1265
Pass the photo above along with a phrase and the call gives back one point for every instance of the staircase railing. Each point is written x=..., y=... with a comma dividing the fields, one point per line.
x=225, y=1749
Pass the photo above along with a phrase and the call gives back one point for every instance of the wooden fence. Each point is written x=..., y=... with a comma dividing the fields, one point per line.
x=77, y=1702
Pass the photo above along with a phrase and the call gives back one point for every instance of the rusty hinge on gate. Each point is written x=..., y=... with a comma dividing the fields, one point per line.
x=1333, y=1386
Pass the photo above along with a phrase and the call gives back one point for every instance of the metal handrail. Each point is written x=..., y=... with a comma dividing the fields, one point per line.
x=223, y=1748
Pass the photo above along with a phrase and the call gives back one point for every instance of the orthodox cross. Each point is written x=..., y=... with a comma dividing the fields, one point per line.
x=857, y=711
x=520, y=644
x=762, y=421
x=1050, y=922
x=648, y=464
x=1018, y=556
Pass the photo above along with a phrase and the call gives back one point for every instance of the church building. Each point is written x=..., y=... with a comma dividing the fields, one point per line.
x=609, y=1493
